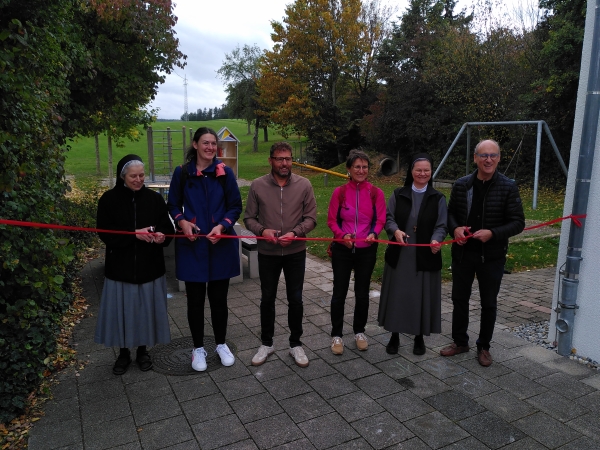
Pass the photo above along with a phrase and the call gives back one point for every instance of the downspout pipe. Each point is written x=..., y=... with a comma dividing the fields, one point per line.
x=567, y=305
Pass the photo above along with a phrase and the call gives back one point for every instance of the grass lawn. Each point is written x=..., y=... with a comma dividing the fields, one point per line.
x=542, y=252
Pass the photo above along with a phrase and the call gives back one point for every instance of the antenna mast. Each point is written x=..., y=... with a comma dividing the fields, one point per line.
x=185, y=101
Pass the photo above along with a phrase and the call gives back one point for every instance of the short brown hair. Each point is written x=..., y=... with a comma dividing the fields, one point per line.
x=280, y=146
x=354, y=155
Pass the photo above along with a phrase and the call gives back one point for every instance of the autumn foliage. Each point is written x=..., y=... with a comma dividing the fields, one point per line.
x=349, y=73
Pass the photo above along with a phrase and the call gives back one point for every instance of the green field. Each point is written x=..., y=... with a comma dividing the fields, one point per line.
x=522, y=256
x=81, y=157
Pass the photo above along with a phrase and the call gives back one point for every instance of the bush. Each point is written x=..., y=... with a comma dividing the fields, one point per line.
x=38, y=271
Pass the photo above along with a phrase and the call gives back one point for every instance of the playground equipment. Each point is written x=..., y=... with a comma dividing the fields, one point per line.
x=228, y=149
x=318, y=169
x=164, y=145
x=540, y=124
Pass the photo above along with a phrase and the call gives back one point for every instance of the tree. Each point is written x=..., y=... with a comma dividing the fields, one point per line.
x=408, y=115
x=131, y=45
x=554, y=92
x=240, y=73
x=55, y=80
x=318, y=68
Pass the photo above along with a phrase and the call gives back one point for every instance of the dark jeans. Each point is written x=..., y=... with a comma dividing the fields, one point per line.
x=217, y=298
x=489, y=275
x=269, y=270
x=343, y=260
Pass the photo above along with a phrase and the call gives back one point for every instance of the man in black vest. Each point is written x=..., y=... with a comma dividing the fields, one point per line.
x=485, y=209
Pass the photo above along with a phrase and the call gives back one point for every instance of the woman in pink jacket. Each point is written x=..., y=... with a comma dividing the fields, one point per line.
x=357, y=215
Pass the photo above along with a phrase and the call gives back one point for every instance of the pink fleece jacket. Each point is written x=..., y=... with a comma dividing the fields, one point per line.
x=362, y=211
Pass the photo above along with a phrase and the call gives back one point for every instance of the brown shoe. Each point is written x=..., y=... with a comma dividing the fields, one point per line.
x=337, y=345
x=454, y=349
x=361, y=342
x=484, y=357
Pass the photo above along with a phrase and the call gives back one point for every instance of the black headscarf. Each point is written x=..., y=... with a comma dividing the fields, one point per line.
x=418, y=157
x=122, y=162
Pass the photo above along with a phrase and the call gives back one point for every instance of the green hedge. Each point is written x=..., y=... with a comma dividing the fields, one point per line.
x=37, y=274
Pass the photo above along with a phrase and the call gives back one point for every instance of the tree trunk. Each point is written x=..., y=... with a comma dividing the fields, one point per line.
x=110, y=168
x=265, y=134
x=248, y=123
x=97, y=155
x=255, y=138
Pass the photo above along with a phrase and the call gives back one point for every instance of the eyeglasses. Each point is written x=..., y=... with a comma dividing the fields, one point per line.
x=281, y=159
x=421, y=171
x=209, y=143
x=492, y=156
x=360, y=167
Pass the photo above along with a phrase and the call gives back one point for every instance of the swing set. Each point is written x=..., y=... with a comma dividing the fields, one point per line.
x=540, y=125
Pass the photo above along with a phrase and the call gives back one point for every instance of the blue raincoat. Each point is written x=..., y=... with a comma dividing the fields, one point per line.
x=207, y=203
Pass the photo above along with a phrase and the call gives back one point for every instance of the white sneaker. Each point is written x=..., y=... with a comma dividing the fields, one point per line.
x=262, y=354
x=299, y=356
x=199, y=359
x=227, y=358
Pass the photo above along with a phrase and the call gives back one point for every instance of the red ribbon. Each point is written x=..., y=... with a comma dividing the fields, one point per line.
x=574, y=217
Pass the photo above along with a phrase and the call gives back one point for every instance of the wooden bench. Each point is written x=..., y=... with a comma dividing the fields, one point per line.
x=250, y=250
x=161, y=186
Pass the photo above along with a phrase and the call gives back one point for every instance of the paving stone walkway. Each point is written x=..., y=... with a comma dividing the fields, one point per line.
x=530, y=398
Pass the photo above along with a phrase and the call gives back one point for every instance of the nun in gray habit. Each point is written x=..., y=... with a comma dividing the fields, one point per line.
x=133, y=309
x=412, y=282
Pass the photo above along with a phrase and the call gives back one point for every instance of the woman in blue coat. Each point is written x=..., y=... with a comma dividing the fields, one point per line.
x=204, y=199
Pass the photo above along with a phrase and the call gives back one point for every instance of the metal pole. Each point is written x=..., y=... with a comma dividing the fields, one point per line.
x=536, y=176
x=169, y=151
x=508, y=122
x=151, y=154
x=556, y=152
x=567, y=305
x=449, y=150
x=184, y=143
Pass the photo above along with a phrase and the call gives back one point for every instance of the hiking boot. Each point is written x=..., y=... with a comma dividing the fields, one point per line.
x=361, y=341
x=199, y=359
x=261, y=355
x=299, y=356
x=227, y=358
x=337, y=345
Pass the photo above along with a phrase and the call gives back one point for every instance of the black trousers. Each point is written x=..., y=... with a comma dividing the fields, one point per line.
x=343, y=260
x=489, y=275
x=217, y=298
x=269, y=270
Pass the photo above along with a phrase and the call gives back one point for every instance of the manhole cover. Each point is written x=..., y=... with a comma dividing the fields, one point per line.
x=176, y=358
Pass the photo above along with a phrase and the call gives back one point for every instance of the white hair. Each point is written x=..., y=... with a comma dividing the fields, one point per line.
x=132, y=163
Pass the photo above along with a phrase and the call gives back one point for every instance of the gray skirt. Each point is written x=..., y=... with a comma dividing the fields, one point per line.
x=133, y=314
x=411, y=301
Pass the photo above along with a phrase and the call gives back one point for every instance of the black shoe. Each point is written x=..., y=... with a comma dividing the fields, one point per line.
x=143, y=361
x=392, y=347
x=122, y=363
x=419, y=347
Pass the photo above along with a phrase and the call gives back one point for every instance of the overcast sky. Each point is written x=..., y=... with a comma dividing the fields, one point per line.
x=207, y=30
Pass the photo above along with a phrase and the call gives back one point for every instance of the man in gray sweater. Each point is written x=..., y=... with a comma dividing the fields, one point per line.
x=281, y=206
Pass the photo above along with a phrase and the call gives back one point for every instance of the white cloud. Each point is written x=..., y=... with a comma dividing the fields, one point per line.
x=206, y=32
